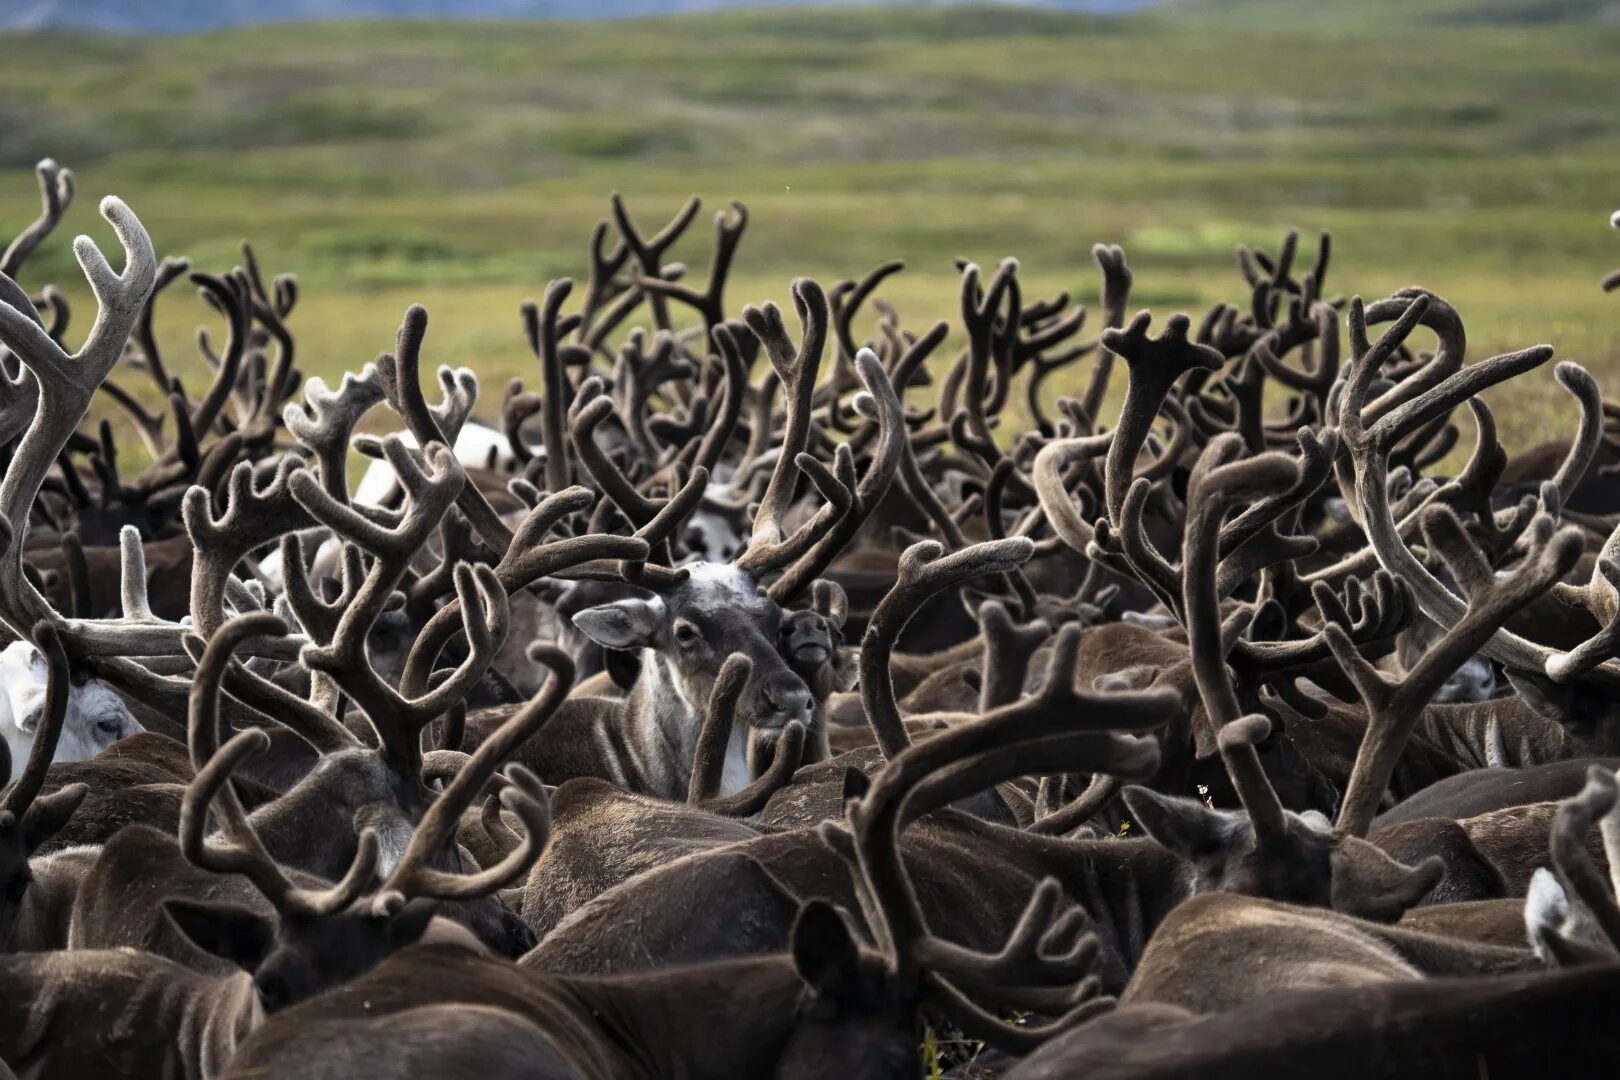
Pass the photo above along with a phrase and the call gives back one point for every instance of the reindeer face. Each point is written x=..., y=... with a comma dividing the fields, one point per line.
x=1474, y=679
x=96, y=717
x=686, y=632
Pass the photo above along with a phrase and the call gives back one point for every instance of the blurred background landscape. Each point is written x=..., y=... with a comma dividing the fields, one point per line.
x=1470, y=147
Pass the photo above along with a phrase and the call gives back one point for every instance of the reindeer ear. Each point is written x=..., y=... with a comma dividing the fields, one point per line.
x=31, y=698
x=1370, y=884
x=623, y=624
x=225, y=930
x=49, y=813
x=825, y=954
x=407, y=925
x=1185, y=826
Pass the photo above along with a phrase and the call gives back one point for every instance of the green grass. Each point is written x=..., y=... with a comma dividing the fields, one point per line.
x=463, y=166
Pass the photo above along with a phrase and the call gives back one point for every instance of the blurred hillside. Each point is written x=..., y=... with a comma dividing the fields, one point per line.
x=191, y=16
x=463, y=165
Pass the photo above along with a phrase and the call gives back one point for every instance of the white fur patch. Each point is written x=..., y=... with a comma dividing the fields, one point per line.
x=473, y=444
x=716, y=587
x=736, y=774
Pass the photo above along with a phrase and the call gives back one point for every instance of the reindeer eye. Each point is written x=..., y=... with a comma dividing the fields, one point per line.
x=686, y=633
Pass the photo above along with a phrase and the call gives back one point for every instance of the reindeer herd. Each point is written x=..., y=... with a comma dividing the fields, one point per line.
x=867, y=710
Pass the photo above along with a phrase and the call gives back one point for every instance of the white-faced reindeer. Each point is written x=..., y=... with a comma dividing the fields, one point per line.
x=96, y=717
x=681, y=626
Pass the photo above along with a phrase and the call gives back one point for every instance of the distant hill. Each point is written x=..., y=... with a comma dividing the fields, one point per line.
x=190, y=16
x=1368, y=14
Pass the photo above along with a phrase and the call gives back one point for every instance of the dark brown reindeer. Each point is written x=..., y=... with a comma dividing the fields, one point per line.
x=138, y=860
x=1395, y=1026
x=135, y=1013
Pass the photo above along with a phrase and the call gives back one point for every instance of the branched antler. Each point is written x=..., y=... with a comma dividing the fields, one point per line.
x=66, y=387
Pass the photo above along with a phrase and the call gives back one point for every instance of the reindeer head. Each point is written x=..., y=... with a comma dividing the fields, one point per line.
x=685, y=631
x=314, y=938
x=319, y=937
x=96, y=717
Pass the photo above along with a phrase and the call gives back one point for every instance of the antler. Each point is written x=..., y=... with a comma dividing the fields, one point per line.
x=797, y=368
x=649, y=252
x=924, y=571
x=1395, y=707
x=55, y=194
x=243, y=852
x=253, y=517
x=1058, y=730
x=325, y=424
x=66, y=387
x=709, y=761
x=401, y=384
x=1370, y=441
x=339, y=651
x=1155, y=364
x=856, y=500
x=709, y=302
x=526, y=560
x=1218, y=483
x=524, y=796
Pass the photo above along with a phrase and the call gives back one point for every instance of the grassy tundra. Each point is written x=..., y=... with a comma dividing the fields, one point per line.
x=461, y=166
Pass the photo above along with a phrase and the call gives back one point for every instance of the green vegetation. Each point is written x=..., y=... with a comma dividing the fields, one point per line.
x=462, y=166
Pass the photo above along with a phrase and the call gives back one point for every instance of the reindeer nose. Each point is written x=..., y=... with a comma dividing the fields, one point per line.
x=789, y=697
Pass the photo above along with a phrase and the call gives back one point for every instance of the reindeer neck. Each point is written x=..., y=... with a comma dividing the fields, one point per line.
x=662, y=731
x=685, y=1022
x=1502, y=732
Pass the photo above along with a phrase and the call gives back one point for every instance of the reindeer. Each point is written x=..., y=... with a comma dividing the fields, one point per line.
x=188, y=1023
x=681, y=626
x=1457, y=1024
